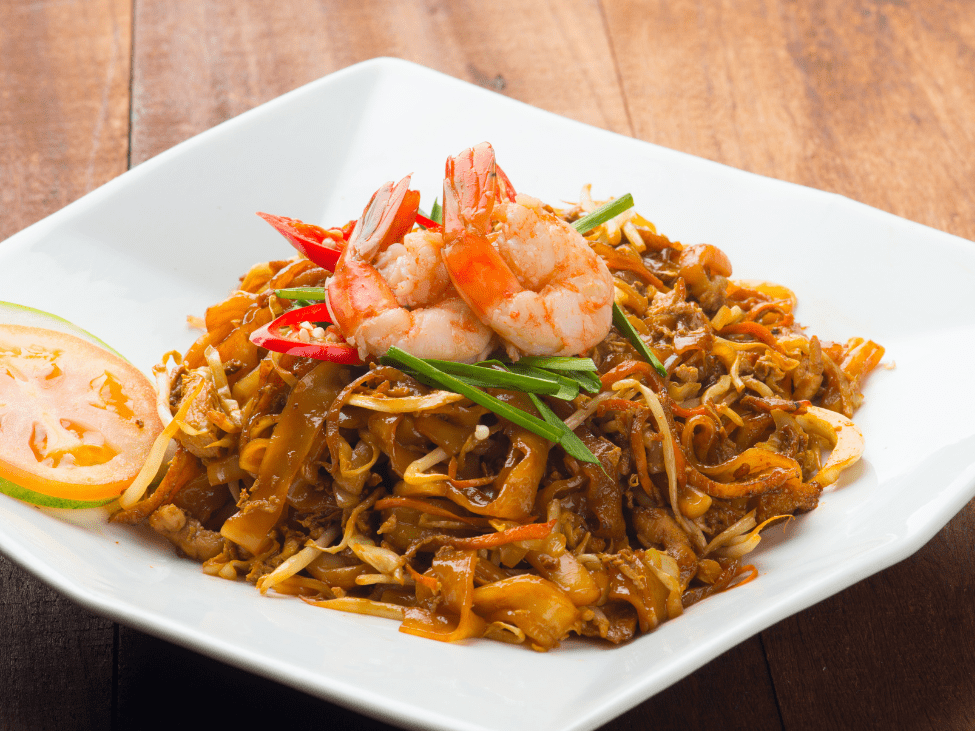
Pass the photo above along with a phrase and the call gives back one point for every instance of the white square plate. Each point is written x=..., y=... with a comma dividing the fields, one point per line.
x=131, y=260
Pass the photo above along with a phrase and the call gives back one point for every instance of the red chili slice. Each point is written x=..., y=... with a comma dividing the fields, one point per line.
x=270, y=336
x=322, y=246
x=428, y=223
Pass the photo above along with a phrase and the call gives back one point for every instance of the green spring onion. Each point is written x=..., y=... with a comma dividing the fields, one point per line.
x=493, y=378
x=397, y=357
x=465, y=379
x=436, y=213
x=603, y=213
x=571, y=443
x=558, y=363
x=308, y=294
x=626, y=328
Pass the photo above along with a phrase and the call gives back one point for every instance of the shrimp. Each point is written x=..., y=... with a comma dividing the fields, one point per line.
x=390, y=287
x=527, y=274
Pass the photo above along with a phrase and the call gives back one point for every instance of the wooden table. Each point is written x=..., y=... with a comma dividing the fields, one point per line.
x=873, y=99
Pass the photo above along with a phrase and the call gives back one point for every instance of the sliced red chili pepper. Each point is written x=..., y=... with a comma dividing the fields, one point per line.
x=348, y=228
x=428, y=223
x=270, y=336
x=322, y=246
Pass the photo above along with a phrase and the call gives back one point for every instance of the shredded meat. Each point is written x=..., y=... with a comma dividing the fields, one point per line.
x=186, y=533
x=655, y=528
x=705, y=269
x=677, y=325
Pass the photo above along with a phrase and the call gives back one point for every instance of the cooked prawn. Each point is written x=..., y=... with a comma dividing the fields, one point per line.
x=391, y=288
x=527, y=274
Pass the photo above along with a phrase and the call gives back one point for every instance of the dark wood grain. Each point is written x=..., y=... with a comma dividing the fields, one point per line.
x=734, y=691
x=894, y=651
x=150, y=669
x=57, y=661
x=870, y=99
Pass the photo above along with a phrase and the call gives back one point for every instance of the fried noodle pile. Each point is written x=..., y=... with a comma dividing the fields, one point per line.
x=361, y=489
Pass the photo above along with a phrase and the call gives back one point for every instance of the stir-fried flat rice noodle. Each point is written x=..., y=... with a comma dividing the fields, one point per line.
x=360, y=488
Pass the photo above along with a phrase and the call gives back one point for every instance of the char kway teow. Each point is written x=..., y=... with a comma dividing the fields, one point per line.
x=497, y=418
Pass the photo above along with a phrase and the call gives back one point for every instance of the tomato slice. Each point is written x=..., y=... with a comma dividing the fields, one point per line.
x=76, y=421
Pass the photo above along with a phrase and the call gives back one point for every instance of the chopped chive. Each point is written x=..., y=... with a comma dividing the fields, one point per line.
x=558, y=363
x=568, y=388
x=465, y=380
x=493, y=378
x=603, y=213
x=469, y=380
x=588, y=382
x=309, y=294
x=499, y=407
x=436, y=213
x=477, y=382
x=628, y=331
x=569, y=441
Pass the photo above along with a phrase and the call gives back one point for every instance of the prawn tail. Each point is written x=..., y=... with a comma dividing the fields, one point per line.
x=470, y=190
x=357, y=293
x=389, y=215
x=504, y=185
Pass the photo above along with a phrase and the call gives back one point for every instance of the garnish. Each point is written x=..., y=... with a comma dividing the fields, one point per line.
x=433, y=222
x=549, y=426
x=571, y=443
x=569, y=379
x=78, y=419
x=306, y=294
x=629, y=332
x=427, y=223
x=604, y=213
x=282, y=336
x=558, y=363
x=484, y=376
x=322, y=246
x=527, y=376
